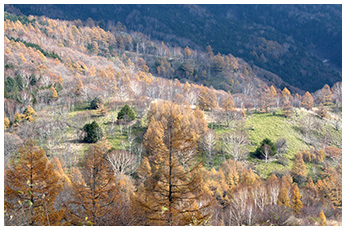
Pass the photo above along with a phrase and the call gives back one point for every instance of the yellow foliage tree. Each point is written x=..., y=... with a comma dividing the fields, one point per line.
x=172, y=186
x=54, y=93
x=286, y=100
x=22, y=57
x=31, y=187
x=79, y=88
x=207, y=99
x=6, y=123
x=187, y=52
x=283, y=198
x=326, y=95
x=297, y=204
x=323, y=218
x=18, y=117
x=307, y=101
x=94, y=190
x=228, y=103
x=298, y=170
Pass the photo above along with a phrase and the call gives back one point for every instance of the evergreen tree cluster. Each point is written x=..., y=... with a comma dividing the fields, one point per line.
x=93, y=132
x=126, y=113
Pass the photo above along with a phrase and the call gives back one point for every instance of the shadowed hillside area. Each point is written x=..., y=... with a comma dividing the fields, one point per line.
x=172, y=115
x=299, y=43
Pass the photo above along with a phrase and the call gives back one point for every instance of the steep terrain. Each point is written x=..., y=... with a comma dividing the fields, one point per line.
x=299, y=43
x=119, y=129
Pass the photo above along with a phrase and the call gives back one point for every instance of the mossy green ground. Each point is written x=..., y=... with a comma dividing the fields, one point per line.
x=274, y=127
x=258, y=126
x=266, y=125
x=113, y=135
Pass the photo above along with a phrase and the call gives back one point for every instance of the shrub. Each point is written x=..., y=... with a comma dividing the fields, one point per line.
x=95, y=103
x=265, y=144
x=93, y=132
x=282, y=161
x=313, y=156
x=29, y=111
x=281, y=145
x=274, y=215
x=126, y=113
x=11, y=85
x=322, y=111
x=33, y=80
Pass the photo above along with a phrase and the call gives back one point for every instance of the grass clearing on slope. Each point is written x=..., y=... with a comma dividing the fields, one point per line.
x=274, y=127
x=266, y=125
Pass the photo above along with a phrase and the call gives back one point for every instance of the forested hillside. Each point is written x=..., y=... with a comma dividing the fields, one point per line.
x=108, y=127
x=299, y=43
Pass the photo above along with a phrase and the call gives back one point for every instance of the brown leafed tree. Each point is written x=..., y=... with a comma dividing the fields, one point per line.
x=286, y=102
x=54, y=93
x=209, y=51
x=331, y=186
x=323, y=219
x=248, y=177
x=172, y=187
x=216, y=183
x=94, y=190
x=298, y=170
x=200, y=122
x=31, y=187
x=269, y=97
x=228, y=103
x=79, y=88
x=218, y=64
x=102, y=110
x=307, y=101
x=207, y=99
x=322, y=111
x=283, y=198
x=326, y=95
x=187, y=52
x=297, y=204
x=6, y=123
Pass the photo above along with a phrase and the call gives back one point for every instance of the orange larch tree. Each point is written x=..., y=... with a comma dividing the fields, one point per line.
x=31, y=187
x=297, y=204
x=228, y=103
x=54, y=93
x=94, y=190
x=323, y=218
x=172, y=189
x=283, y=198
x=326, y=95
x=307, y=101
x=298, y=170
x=79, y=88
x=228, y=106
x=207, y=99
x=286, y=102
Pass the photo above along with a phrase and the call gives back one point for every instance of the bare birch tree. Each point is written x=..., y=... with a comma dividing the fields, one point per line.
x=235, y=144
x=208, y=144
x=122, y=162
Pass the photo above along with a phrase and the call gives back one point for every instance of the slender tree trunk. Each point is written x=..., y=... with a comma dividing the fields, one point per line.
x=170, y=191
x=31, y=192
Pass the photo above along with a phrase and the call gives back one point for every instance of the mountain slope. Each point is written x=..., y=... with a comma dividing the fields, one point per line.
x=299, y=43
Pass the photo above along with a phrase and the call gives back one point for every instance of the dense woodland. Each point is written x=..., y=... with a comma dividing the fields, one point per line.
x=300, y=43
x=108, y=127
